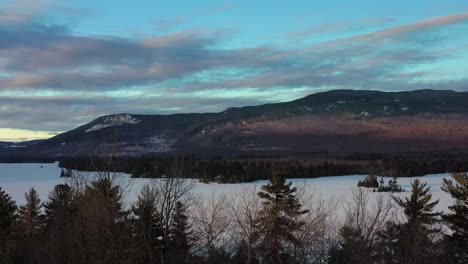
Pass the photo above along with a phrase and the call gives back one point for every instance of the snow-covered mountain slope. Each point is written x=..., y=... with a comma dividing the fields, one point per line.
x=115, y=120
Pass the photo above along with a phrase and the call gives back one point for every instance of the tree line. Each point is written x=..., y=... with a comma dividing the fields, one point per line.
x=86, y=220
x=249, y=170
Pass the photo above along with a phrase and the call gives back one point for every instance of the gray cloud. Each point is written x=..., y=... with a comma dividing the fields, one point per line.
x=40, y=58
x=44, y=57
x=63, y=113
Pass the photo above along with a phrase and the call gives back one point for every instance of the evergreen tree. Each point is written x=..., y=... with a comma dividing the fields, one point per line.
x=179, y=248
x=278, y=220
x=370, y=181
x=60, y=203
x=147, y=230
x=419, y=207
x=31, y=217
x=8, y=217
x=353, y=249
x=411, y=242
x=60, y=215
x=105, y=191
x=108, y=222
x=381, y=182
x=31, y=221
x=392, y=184
x=457, y=220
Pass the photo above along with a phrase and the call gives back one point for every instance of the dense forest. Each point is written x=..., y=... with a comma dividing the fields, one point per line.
x=87, y=220
x=253, y=169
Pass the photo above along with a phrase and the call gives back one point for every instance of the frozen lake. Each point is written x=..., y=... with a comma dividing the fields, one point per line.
x=16, y=179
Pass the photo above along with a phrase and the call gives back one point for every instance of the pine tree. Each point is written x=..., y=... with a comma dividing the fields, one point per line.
x=60, y=203
x=419, y=208
x=370, y=181
x=61, y=211
x=381, y=182
x=110, y=229
x=31, y=221
x=147, y=229
x=31, y=216
x=411, y=242
x=8, y=218
x=180, y=236
x=278, y=220
x=353, y=249
x=109, y=193
x=457, y=242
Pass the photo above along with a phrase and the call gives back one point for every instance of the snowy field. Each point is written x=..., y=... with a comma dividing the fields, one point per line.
x=16, y=179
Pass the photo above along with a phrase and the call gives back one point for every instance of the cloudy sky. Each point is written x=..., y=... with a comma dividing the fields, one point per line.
x=64, y=63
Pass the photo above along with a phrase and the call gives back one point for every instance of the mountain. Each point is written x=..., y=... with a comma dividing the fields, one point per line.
x=22, y=144
x=337, y=122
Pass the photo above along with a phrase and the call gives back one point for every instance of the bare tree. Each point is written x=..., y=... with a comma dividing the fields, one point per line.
x=363, y=222
x=318, y=232
x=245, y=207
x=212, y=225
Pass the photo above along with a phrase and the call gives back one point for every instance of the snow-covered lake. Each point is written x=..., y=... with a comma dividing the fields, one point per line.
x=16, y=179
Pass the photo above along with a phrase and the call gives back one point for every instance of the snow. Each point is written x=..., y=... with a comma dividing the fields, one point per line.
x=159, y=143
x=209, y=130
x=308, y=108
x=116, y=120
x=364, y=114
x=16, y=179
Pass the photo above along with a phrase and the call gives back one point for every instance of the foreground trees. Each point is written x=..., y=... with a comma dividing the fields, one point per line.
x=8, y=217
x=456, y=244
x=279, y=221
x=147, y=229
x=389, y=241
x=31, y=221
x=88, y=221
x=413, y=241
x=180, y=236
x=364, y=219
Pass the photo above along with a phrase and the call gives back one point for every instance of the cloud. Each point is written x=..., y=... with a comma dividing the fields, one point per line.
x=61, y=113
x=402, y=31
x=74, y=76
x=45, y=57
x=315, y=30
x=13, y=18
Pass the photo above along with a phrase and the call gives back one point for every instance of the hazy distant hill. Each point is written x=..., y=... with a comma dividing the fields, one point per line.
x=20, y=144
x=338, y=122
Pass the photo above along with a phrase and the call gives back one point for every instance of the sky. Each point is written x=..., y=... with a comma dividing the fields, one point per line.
x=65, y=63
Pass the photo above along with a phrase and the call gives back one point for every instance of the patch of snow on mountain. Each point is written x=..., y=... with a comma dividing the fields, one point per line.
x=364, y=114
x=116, y=120
x=208, y=131
x=160, y=144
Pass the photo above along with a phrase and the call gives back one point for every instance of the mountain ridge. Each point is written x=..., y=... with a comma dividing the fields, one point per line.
x=336, y=121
